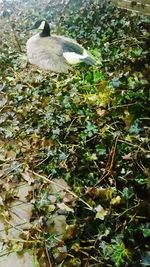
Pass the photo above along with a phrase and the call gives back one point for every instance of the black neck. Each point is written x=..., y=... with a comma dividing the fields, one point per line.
x=46, y=30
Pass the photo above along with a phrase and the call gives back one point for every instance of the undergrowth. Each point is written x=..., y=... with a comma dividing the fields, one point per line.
x=89, y=130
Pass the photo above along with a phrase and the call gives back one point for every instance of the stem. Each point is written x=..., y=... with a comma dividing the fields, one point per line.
x=63, y=187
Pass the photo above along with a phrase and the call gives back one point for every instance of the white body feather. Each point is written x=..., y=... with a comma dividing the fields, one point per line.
x=74, y=58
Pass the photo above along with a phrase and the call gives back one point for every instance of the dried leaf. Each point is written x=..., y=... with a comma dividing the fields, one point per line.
x=10, y=154
x=3, y=100
x=127, y=156
x=1, y=201
x=60, y=253
x=27, y=177
x=63, y=206
x=63, y=185
x=70, y=231
x=57, y=225
x=68, y=198
x=53, y=199
x=103, y=193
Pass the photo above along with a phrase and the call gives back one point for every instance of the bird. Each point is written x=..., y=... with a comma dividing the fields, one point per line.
x=55, y=53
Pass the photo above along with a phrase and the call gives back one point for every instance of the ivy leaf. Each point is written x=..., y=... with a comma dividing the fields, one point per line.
x=100, y=149
x=115, y=83
x=98, y=76
x=145, y=259
x=134, y=129
x=145, y=228
x=115, y=200
x=138, y=51
x=101, y=213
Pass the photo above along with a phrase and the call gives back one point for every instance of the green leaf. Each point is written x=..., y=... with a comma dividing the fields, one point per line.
x=98, y=76
x=100, y=149
x=134, y=129
x=127, y=192
x=145, y=259
x=120, y=254
x=138, y=51
x=145, y=228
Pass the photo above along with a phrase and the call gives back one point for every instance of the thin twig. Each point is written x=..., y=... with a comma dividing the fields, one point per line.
x=122, y=106
x=110, y=162
x=42, y=161
x=61, y=186
x=14, y=226
x=13, y=169
x=68, y=129
x=48, y=257
x=136, y=146
x=22, y=241
x=120, y=215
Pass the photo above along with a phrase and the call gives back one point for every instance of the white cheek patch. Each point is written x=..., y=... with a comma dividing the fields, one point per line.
x=42, y=25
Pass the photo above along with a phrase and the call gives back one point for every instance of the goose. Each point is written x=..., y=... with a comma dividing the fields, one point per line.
x=53, y=52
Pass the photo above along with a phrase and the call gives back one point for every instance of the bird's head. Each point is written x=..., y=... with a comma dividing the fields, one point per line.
x=42, y=26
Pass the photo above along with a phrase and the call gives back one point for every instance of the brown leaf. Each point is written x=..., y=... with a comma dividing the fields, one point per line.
x=57, y=225
x=68, y=198
x=10, y=154
x=27, y=177
x=60, y=253
x=3, y=100
x=63, y=206
x=127, y=156
x=53, y=199
x=70, y=231
x=103, y=193
x=101, y=112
